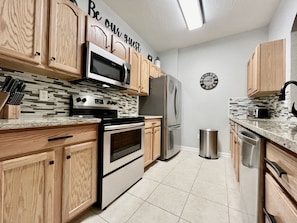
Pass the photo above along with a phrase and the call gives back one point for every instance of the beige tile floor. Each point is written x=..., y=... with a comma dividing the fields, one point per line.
x=186, y=188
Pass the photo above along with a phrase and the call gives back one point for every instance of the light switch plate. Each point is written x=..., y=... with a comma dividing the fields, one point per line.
x=43, y=95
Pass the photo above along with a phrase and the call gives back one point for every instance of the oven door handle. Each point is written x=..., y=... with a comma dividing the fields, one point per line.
x=123, y=126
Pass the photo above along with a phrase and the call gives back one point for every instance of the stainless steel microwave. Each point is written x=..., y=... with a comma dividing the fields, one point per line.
x=105, y=67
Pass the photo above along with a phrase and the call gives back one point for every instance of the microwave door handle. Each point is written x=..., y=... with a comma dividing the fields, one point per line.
x=125, y=73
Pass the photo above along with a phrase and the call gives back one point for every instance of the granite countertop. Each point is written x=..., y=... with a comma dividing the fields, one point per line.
x=22, y=123
x=282, y=132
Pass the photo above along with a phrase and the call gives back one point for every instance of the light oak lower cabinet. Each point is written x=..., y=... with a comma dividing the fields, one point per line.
x=27, y=189
x=152, y=141
x=47, y=175
x=235, y=144
x=79, y=178
x=280, y=184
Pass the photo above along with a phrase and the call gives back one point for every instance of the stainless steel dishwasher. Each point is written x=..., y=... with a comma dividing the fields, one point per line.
x=251, y=151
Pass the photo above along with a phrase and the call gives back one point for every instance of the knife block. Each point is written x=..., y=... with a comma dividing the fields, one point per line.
x=10, y=112
x=3, y=98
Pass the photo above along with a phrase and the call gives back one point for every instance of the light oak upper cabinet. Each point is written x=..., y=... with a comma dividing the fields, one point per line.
x=97, y=34
x=154, y=70
x=266, y=69
x=79, y=181
x=120, y=49
x=135, y=61
x=66, y=36
x=21, y=39
x=144, y=76
x=27, y=189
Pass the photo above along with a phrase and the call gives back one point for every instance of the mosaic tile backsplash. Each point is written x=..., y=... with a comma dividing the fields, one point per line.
x=239, y=107
x=59, y=92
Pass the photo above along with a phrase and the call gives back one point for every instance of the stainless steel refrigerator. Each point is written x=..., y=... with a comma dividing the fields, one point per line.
x=165, y=100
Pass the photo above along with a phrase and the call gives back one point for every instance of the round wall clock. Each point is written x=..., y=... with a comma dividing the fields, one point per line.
x=209, y=81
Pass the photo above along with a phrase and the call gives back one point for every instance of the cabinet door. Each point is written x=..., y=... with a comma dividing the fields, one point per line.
x=148, y=143
x=277, y=203
x=95, y=33
x=66, y=36
x=135, y=61
x=154, y=71
x=20, y=25
x=157, y=142
x=79, y=178
x=26, y=189
x=144, y=76
x=120, y=49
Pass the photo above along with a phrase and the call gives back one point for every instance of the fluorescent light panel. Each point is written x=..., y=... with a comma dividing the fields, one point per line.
x=192, y=13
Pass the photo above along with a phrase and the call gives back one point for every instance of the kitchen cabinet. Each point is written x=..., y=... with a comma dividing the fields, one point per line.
x=97, y=34
x=27, y=188
x=280, y=184
x=79, y=181
x=21, y=39
x=154, y=70
x=42, y=37
x=66, y=36
x=51, y=170
x=266, y=69
x=144, y=77
x=277, y=203
x=120, y=48
x=235, y=144
x=152, y=141
x=139, y=74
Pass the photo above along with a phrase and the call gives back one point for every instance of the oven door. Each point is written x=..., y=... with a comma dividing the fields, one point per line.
x=122, y=144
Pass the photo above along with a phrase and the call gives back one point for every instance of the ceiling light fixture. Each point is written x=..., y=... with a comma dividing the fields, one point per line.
x=192, y=11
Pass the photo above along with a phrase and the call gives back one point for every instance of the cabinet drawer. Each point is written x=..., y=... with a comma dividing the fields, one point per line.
x=149, y=123
x=17, y=143
x=288, y=163
x=277, y=203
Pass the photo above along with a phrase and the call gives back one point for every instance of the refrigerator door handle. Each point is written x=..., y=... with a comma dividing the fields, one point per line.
x=175, y=102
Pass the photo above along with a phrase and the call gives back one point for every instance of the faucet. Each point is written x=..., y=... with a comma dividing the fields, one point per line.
x=282, y=95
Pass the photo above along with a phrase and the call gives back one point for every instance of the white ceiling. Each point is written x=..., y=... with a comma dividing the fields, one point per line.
x=161, y=25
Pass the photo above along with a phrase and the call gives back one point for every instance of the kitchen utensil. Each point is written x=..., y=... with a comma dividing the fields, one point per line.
x=6, y=81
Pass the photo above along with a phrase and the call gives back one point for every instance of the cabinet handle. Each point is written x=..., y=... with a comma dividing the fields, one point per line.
x=68, y=157
x=53, y=59
x=52, y=162
x=37, y=53
x=58, y=138
x=276, y=167
x=269, y=217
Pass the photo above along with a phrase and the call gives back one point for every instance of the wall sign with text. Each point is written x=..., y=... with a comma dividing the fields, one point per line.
x=93, y=12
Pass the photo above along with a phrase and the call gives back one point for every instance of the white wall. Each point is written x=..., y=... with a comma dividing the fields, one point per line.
x=280, y=28
x=228, y=59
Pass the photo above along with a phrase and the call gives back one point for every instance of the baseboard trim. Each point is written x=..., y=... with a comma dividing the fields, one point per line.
x=196, y=150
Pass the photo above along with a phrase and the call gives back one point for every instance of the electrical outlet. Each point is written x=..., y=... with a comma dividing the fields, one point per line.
x=43, y=95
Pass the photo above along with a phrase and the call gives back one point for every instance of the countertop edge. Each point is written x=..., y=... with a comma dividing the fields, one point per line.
x=271, y=134
x=17, y=124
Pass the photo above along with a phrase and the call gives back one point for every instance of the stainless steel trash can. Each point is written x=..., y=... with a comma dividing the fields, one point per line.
x=208, y=143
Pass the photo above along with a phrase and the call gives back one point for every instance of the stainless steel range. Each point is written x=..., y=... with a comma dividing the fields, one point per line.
x=120, y=144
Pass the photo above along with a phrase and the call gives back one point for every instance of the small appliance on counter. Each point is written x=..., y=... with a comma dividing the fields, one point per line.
x=259, y=112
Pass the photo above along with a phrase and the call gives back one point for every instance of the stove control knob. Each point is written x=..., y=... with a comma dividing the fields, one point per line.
x=78, y=99
x=109, y=102
x=84, y=100
x=114, y=103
